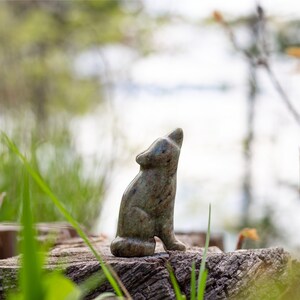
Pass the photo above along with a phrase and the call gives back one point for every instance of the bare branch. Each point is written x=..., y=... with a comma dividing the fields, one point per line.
x=282, y=93
x=262, y=59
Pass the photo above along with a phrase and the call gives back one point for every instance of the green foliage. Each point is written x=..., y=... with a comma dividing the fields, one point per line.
x=202, y=285
x=178, y=294
x=193, y=282
x=94, y=281
x=30, y=261
x=31, y=268
x=287, y=35
x=35, y=284
x=40, y=40
x=58, y=287
x=79, y=189
x=39, y=44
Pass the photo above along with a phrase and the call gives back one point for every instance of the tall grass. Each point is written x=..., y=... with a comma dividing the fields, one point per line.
x=81, y=190
x=108, y=272
x=35, y=284
x=31, y=265
x=175, y=284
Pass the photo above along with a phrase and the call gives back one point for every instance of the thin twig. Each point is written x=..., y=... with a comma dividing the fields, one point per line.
x=262, y=59
x=282, y=93
x=264, y=53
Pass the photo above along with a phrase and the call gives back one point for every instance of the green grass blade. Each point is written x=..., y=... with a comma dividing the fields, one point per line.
x=59, y=287
x=92, y=283
x=31, y=283
x=175, y=284
x=202, y=266
x=193, y=282
x=107, y=271
x=202, y=285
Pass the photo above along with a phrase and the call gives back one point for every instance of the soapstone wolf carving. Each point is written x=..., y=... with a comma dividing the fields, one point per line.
x=147, y=205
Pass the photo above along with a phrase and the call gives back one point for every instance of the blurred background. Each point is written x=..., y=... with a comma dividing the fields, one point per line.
x=87, y=85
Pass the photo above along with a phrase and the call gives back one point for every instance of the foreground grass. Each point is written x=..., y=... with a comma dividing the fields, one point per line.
x=35, y=283
x=79, y=184
x=108, y=272
x=197, y=292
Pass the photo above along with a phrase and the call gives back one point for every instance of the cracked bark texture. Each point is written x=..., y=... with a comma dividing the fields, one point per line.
x=243, y=274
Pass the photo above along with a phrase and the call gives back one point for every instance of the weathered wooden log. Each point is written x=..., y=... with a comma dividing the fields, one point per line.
x=58, y=231
x=243, y=274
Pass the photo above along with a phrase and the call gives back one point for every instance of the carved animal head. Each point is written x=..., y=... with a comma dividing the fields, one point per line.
x=164, y=152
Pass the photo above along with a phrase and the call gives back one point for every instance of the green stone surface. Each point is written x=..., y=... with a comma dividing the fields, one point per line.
x=147, y=206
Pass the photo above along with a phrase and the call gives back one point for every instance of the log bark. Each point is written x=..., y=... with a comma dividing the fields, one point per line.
x=244, y=274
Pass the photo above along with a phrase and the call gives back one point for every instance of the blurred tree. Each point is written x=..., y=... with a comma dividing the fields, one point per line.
x=257, y=53
x=40, y=91
x=39, y=40
x=287, y=34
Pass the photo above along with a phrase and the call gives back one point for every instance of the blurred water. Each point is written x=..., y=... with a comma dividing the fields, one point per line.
x=198, y=84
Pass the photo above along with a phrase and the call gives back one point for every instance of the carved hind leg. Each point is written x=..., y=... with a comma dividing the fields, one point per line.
x=166, y=234
x=135, y=235
x=132, y=247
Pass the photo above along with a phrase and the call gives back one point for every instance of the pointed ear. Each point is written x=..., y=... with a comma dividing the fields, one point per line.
x=176, y=136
